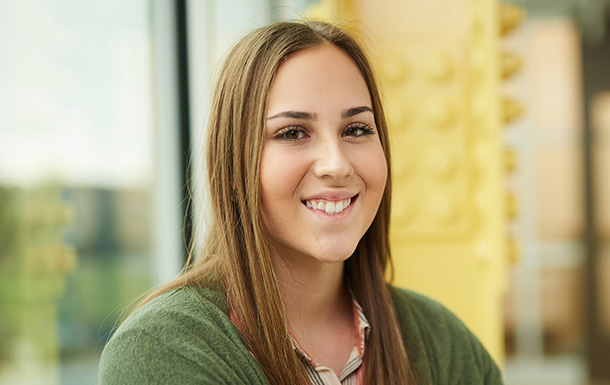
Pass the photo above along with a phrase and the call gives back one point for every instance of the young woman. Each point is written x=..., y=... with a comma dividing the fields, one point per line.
x=290, y=288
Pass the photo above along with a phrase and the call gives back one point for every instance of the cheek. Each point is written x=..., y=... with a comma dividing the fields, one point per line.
x=373, y=169
x=279, y=177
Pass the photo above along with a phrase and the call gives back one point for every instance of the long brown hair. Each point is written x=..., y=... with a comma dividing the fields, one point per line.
x=236, y=251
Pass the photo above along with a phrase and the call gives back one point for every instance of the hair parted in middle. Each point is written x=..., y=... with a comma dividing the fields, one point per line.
x=236, y=252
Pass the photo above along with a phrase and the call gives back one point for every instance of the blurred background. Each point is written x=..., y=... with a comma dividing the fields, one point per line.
x=500, y=121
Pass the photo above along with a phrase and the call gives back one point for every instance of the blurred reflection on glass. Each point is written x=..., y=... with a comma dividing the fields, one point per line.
x=545, y=312
x=600, y=119
x=76, y=173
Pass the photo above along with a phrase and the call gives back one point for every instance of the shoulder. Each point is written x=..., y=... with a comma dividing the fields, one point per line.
x=183, y=336
x=416, y=308
x=178, y=308
x=439, y=343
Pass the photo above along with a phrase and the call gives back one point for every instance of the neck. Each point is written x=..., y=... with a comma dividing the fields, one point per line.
x=313, y=295
x=318, y=309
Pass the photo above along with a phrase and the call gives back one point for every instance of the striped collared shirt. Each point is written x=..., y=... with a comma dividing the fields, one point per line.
x=353, y=371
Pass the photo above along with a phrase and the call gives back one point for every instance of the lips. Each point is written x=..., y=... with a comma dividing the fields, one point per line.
x=329, y=206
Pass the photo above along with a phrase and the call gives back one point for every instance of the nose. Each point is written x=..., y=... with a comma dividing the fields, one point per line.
x=332, y=161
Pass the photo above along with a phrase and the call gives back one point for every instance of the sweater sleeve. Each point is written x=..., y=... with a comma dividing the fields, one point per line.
x=442, y=348
x=135, y=357
x=179, y=338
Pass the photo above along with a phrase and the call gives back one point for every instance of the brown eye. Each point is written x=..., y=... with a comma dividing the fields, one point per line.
x=353, y=131
x=358, y=130
x=291, y=133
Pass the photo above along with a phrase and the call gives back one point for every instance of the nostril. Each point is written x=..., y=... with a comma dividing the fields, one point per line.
x=335, y=168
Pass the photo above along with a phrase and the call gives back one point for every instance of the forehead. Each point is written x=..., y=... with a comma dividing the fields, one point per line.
x=318, y=76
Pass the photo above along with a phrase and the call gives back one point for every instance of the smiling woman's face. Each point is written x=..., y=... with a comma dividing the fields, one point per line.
x=323, y=170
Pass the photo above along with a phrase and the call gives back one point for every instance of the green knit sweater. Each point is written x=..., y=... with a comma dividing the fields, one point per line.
x=186, y=337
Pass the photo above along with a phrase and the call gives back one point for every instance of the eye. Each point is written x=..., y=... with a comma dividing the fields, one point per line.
x=358, y=129
x=291, y=133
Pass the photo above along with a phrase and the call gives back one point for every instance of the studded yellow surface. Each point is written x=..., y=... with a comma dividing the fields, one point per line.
x=441, y=66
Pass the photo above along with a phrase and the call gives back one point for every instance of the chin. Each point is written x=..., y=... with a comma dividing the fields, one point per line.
x=334, y=255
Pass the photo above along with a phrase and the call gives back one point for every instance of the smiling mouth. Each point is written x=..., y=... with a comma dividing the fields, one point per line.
x=328, y=206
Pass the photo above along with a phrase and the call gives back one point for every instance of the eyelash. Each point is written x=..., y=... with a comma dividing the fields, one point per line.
x=282, y=133
x=365, y=128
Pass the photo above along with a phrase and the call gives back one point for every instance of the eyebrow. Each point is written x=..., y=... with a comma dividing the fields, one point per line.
x=355, y=111
x=309, y=116
x=295, y=115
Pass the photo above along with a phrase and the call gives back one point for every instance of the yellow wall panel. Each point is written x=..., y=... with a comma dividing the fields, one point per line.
x=441, y=66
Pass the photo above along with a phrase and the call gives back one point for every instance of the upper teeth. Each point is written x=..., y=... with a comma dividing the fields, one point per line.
x=330, y=207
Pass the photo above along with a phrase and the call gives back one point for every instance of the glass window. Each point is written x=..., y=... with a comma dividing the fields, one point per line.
x=77, y=174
